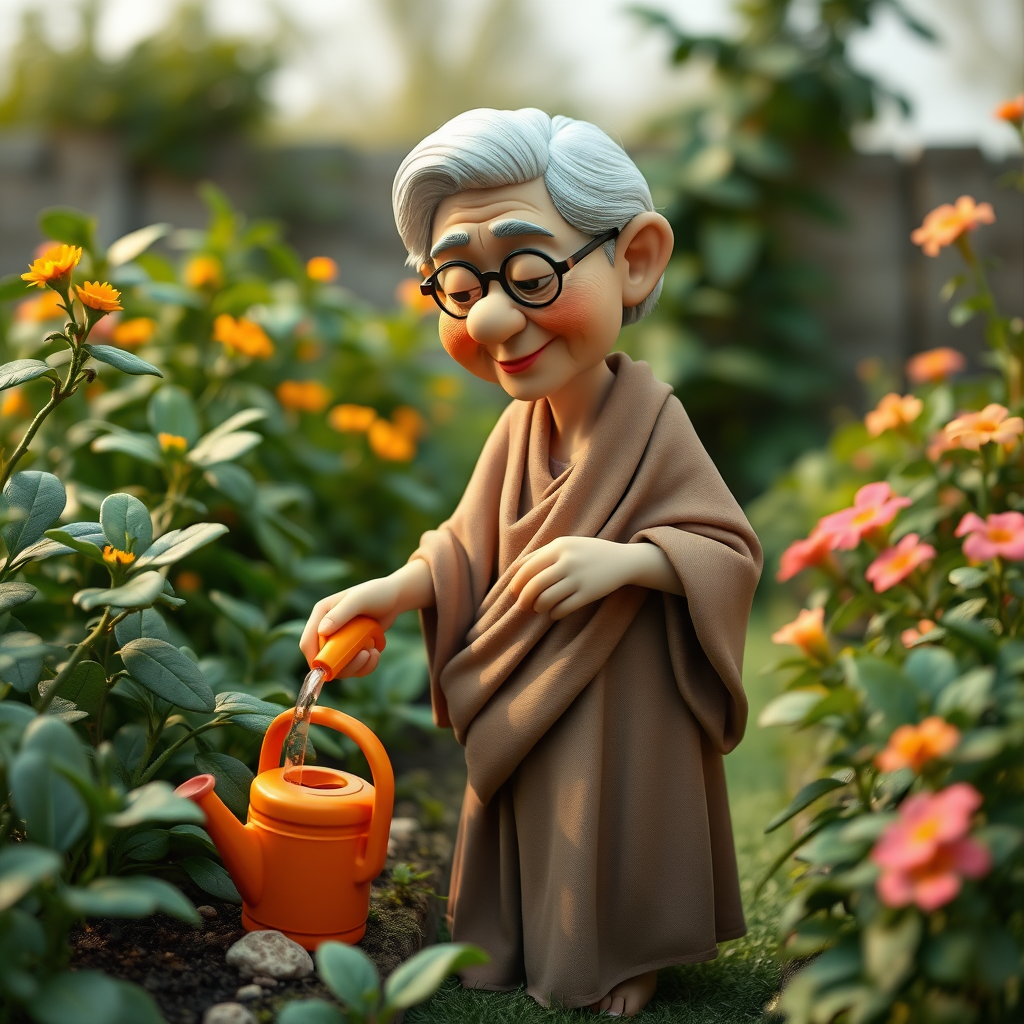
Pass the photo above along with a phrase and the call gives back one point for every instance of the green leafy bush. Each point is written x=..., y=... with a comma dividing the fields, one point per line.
x=909, y=896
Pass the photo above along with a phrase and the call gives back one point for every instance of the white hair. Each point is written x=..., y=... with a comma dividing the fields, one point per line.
x=592, y=182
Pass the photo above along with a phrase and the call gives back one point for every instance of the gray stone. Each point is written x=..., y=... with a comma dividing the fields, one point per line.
x=264, y=981
x=247, y=993
x=208, y=912
x=269, y=953
x=228, y=1013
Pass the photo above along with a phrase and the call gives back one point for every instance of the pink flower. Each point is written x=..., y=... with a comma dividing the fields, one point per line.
x=925, y=854
x=910, y=636
x=998, y=535
x=895, y=564
x=806, y=631
x=802, y=554
x=873, y=505
x=973, y=429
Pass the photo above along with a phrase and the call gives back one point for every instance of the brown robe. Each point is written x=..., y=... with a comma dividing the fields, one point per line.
x=595, y=841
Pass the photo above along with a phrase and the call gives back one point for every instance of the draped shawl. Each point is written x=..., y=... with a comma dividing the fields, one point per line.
x=595, y=841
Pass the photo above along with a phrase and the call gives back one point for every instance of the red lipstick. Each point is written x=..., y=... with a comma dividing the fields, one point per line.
x=523, y=363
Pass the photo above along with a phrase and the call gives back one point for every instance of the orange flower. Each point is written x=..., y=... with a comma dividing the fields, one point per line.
x=203, y=272
x=188, y=582
x=388, y=442
x=892, y=412
x=43, y=307
x=895, y=564
x=909, y=637
x=308, y=351
x=806, y=631
x=409, y=422
x=115, y=556
x=973, y=429
x=137, y=331
x=913, y=746
x=351, y=419
x=101, y=298
x=802, y=554
x=242, y=336
x=1011, y=110
x=54, y=267
x=409, y=295
x=946, y=223
x=322, y=268
x=934, y=365
x=303, y=395
x=15, y=405
x=172, y=443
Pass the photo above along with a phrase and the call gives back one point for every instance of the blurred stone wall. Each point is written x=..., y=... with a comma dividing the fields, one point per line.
x=337, y=202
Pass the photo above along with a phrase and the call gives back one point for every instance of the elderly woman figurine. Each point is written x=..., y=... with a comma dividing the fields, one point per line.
x=585, y=606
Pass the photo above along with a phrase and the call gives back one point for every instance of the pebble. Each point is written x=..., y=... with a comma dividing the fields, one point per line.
x=249, y=992
x=228, y=1013
x=271, y=954
x=262, y=979
x=402, y=829
x=208, y=912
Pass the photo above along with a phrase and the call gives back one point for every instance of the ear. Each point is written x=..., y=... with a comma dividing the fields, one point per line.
x=642, y=252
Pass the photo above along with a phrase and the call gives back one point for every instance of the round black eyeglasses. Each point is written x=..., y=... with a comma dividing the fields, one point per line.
x=528, y=276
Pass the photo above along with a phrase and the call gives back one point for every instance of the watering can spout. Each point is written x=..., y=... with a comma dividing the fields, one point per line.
x=237, y=844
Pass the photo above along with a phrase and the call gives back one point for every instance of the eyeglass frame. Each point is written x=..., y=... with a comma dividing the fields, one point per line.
x=561, y=268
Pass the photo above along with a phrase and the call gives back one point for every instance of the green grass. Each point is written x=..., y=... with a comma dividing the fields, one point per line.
x=734, y=988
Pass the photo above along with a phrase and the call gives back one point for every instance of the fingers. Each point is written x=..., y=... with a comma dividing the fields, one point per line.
x=538, y=584
x=361, y=665
x=556, y=594
x=309, y=643
x=539, y=560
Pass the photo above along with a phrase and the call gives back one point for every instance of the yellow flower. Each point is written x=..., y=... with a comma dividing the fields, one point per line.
x=322, y=268
x=203, y=272
x=43, y=307
x=409, y=422
x=388, y=442
x=352, y=419
x=973, y=429
x=103, y=298
x=893, y=411
x=15, y=405
x=137, y=331
x=303, y=395
x=115, y=556
x=242, y=336
x=172, y=442
x=54, y=267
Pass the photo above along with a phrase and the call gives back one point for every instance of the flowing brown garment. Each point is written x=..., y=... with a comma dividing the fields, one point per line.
x=595, y=841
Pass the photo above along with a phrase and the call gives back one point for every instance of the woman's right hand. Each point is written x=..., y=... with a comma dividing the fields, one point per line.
x=382, y=599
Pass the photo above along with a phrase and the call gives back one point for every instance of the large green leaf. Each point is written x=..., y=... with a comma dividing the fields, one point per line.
x=81, y=545
x=150, y=845
x=174, y=546
x=350, y=975
x=13, y=594
x=138, y=446
x=421, y=976
x=139, y=592
x=789, y=708
x=211, y=878
x=886, y=688
x=31, y=501
x=233, y=780
x=126, y=362
x=68, y=225
x=172, y=411
x=310, y=1011
x=236, y=422
x=85, y=686
x=155, y=801
x=225, y=448
x=21, y=659
x=148, y=622
x=91, y=997
x=52, y=809
x=22, y=867
x=168, y=673
x=806, y=797
x=20, y=371
x=234, y=481
x=135, y=243
x=247, y=710
x=129, y=897
x=126, y=523
x=90, y=533
x=247, y=617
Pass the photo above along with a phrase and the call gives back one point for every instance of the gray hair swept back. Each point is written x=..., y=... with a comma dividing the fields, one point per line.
x=592, y=182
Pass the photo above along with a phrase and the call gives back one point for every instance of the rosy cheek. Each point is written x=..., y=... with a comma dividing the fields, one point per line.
x=463, y=349
x=573, y=311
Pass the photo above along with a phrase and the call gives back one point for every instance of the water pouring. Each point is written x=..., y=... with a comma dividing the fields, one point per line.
x=315, y=822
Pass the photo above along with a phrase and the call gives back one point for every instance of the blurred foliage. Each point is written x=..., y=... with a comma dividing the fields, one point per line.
x=169, y=99
x=736, y=330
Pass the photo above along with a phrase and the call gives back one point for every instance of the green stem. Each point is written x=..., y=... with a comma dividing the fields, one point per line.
x=76, y=656
x=177, y=745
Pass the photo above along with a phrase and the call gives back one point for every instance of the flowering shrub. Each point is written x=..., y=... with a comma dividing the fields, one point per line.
x=153, y=406
x=909, y=895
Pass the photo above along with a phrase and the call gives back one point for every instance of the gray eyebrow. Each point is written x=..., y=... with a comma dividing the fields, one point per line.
x=508, y=228
x=450, y=241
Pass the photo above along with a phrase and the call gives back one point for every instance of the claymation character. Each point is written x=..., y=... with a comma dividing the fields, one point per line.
x=585, y=606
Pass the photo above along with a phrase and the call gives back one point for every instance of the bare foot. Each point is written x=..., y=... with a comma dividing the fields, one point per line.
x=629, y=997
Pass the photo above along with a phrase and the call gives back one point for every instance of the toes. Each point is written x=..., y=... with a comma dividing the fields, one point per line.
x=605, y=1004
x=618, y=1005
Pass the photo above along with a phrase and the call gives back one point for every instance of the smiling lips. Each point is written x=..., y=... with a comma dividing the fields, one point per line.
x=523, y=363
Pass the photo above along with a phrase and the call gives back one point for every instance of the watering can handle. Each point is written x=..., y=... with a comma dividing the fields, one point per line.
x=372, y=862
x=359, y=634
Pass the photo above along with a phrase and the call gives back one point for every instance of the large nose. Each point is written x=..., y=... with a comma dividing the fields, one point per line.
x=494, y=318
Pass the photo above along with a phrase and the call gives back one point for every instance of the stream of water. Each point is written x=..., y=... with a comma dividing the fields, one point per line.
x=298, y=734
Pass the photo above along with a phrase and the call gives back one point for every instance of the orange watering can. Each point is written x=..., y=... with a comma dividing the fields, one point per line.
x=316, y=837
